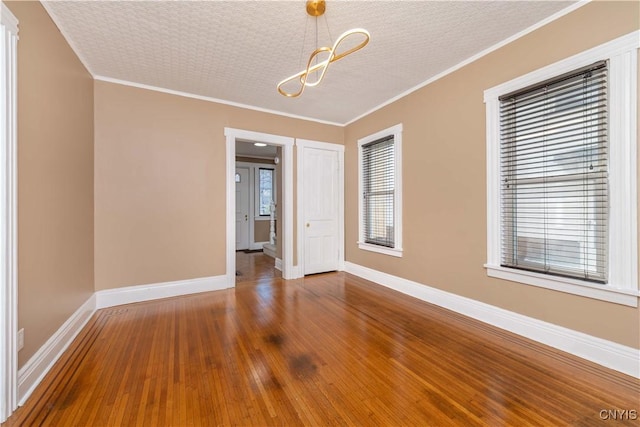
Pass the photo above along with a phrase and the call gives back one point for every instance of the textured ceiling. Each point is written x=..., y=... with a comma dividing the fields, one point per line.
x=237, y=51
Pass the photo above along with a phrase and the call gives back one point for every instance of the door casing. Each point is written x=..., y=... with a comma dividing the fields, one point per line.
x=243, y=243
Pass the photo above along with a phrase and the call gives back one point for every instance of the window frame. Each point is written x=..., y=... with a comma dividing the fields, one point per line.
x=9, y=383
x=622, y=286
x=396, y=250
x=259, y=215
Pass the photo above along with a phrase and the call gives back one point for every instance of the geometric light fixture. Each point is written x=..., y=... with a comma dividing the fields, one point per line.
x=316, y=65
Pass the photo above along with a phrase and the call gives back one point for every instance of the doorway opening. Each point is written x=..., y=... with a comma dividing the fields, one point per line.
x=258, y=183
x=238, y=139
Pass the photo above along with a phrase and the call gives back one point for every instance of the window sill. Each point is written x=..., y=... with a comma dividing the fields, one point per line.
x=380, y=249
x=571, y=286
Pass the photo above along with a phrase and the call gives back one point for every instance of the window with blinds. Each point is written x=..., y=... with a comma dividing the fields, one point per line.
x=378, y=191
x=554, y=176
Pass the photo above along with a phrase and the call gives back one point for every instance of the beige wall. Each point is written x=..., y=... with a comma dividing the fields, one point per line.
x=444, y=198
x=160, y=182
x=55, y=179
x=261, y=231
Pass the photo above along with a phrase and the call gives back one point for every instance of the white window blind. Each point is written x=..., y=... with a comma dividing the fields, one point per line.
x=378, y=186
x=554, y=169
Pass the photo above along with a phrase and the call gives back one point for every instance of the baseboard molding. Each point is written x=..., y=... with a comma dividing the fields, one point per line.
x=295, y=272
x=30, y=375
x=131, y=294
x=254, y=246
x=278, y=264
x=606, y=353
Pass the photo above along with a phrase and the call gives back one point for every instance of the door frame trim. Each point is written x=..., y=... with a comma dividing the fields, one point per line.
x=232, y=135
x=8, y=216
x=301, y=144
x=249, y=213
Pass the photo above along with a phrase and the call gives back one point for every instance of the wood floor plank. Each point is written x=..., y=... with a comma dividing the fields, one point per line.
x=329, y=349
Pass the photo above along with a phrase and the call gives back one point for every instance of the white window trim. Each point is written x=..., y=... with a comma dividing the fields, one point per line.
x=622, y=287
x=8, y=214
x=396, y=251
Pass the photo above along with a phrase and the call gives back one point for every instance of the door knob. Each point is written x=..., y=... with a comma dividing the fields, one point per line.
x=246, y=217
x=307, y=225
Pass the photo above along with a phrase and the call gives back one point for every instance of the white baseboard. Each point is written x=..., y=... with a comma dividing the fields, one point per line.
x=278, y=264
x=30, y=375
x=269, y=250
x=295, y=272
x=254, y=246
x=606, y=353
x=130, y=294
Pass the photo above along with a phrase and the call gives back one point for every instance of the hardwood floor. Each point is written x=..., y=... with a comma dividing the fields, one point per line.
x=330, y=349
x=253, y=266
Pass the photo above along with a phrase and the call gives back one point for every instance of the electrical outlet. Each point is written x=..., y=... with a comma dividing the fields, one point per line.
x=20, y=339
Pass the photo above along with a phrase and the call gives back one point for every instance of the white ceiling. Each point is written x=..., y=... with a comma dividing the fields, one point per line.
x=237, y=51
x=248, y=149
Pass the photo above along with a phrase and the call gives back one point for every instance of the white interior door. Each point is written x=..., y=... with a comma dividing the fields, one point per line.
x=321, y=210
x=242, y=208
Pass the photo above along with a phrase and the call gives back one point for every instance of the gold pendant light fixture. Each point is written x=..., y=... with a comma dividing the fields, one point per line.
x=316, y=8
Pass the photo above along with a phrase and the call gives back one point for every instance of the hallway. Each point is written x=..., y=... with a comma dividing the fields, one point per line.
x=252, y=266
